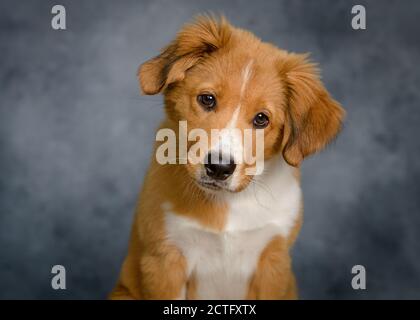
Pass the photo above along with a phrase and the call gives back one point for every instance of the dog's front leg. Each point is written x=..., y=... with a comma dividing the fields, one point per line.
x=273, y=278
x=163, y=274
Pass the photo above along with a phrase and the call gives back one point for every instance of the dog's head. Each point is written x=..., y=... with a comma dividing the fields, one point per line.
x=215, y=76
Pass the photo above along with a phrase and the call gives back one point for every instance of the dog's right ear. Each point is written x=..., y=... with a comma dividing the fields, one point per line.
x=196, y=40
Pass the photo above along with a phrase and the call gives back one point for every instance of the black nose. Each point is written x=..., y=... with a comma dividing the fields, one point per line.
x=218, y=169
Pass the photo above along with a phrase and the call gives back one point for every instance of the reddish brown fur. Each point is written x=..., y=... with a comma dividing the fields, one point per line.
x=208, y=56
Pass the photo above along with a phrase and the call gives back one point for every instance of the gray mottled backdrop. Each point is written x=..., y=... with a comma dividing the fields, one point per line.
x=76, y=137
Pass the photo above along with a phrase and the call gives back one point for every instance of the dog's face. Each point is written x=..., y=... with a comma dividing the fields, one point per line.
x=215, y=76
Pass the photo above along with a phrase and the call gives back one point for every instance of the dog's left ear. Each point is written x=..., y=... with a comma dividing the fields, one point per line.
x=194, y=42
x=313, y=118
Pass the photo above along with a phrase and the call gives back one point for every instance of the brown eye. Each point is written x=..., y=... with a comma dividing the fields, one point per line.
x=260, y=120
x=207, y=101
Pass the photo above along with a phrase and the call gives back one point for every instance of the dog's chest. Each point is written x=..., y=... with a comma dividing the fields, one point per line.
x=223, y=262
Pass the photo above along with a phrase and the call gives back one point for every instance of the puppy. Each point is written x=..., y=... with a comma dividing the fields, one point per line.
x=210, y=230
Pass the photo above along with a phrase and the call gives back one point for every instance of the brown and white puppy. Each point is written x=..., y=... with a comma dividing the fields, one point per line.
x=210, y=231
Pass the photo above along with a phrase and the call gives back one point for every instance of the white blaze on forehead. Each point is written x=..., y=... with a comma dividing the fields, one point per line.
x=246, y=74
x=234, y=120
x=229, y=141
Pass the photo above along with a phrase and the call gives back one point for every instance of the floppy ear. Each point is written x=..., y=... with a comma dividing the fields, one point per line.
x=313, y=117
x=196, y=40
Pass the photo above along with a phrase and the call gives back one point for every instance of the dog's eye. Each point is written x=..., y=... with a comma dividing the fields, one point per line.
x=261, y=121
x=207, y=101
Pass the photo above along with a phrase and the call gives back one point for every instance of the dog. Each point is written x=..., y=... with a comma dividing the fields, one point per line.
x=208, y=230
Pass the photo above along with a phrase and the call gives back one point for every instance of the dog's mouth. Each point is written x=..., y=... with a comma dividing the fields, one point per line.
x=209, y=185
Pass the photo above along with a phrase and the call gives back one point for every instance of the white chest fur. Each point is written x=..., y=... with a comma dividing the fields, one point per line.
x=224, y=261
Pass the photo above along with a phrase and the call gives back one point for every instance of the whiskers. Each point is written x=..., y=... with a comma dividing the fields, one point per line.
x=260, y=186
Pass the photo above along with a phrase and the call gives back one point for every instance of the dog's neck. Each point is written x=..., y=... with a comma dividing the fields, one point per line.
x=211, y=209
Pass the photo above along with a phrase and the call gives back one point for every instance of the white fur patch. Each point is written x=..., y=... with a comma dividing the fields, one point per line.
x=246, y=74
x=230, y=140
x=224, y=262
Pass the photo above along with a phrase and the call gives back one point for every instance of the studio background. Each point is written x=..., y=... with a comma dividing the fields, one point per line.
x=76, y=138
